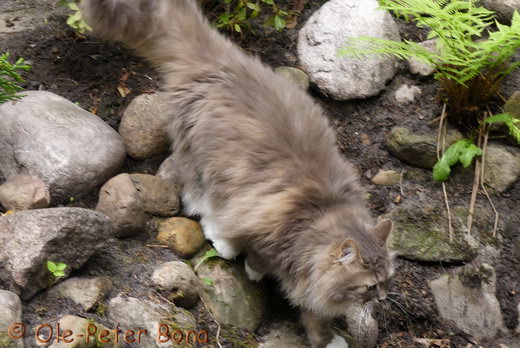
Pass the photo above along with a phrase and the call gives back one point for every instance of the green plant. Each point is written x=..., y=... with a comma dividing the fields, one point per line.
x=207, y=255
x=75, y=20
x=469, y=66
x=235, y=15
x=57, y=269
x=469, y=70
x=462, y=151
x=208, y=281
x=10, y=77
x=509, y=121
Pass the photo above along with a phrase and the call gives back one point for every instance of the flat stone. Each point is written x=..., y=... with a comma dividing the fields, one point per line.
x=178, y=280
x=70, y=149
x=468, y=299
x=183, y=235
x=135, y=314
x=120, y=201
x=87, y=292
x=159, y=197
x=31, y=238
x=386, y=177
x=328, y=31
x=421, y=232
x=417, y=149
x=24, y=192
x=295, y=75
x=144, y=126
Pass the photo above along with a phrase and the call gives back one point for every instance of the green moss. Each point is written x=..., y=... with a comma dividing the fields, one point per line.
x=101, y=309
x=422, y=235
x=239, y=338
x=6, y=341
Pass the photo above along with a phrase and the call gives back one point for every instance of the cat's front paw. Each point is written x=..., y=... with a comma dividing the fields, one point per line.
x=225, y=250
x=337, y=342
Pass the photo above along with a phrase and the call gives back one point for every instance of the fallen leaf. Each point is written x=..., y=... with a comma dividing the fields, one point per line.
x=123, y=90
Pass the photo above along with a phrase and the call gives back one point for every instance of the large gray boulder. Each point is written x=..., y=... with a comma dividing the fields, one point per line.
x=86, y=292
x=47, y=136
x=468, y=299
x=503, y=8
x=31, y=238
x=328, y=30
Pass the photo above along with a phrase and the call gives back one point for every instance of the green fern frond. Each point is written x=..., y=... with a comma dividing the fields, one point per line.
x=10, y=78
x=469, y=70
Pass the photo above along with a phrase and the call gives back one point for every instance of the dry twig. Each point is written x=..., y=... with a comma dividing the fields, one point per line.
x=217, y=336
x=476, y=181
x=441, y=145
x=484, y=150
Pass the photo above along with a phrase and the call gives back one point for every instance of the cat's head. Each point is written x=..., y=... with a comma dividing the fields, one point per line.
x=355, y=271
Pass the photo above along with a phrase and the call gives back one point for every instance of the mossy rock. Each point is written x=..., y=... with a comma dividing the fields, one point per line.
x=421, y=233
x=419, y=150
x=229, y=295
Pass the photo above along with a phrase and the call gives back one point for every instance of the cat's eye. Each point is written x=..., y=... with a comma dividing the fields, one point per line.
x=371, y=288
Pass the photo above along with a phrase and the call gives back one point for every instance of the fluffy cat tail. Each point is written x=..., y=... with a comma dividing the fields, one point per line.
x=166, y=32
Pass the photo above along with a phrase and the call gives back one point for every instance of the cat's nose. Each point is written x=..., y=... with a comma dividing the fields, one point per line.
x=381, y=295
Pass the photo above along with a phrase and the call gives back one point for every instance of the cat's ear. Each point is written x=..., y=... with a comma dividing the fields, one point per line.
x=349, y=252
x=382, y=230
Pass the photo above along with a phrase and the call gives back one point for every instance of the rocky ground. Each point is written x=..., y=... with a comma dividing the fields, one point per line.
x=100, y=197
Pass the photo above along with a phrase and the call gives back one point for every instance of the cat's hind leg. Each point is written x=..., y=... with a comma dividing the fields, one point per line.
x=254, y=268
x=318, y=329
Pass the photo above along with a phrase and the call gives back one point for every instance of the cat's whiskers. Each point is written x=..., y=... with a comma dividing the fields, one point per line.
x=396, y=294
x=385, y=304
x=404, y=310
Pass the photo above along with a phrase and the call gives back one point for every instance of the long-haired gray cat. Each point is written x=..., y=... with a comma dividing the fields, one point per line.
x=258, y=162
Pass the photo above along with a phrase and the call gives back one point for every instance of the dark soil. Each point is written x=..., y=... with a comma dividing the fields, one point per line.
x=87, y=71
